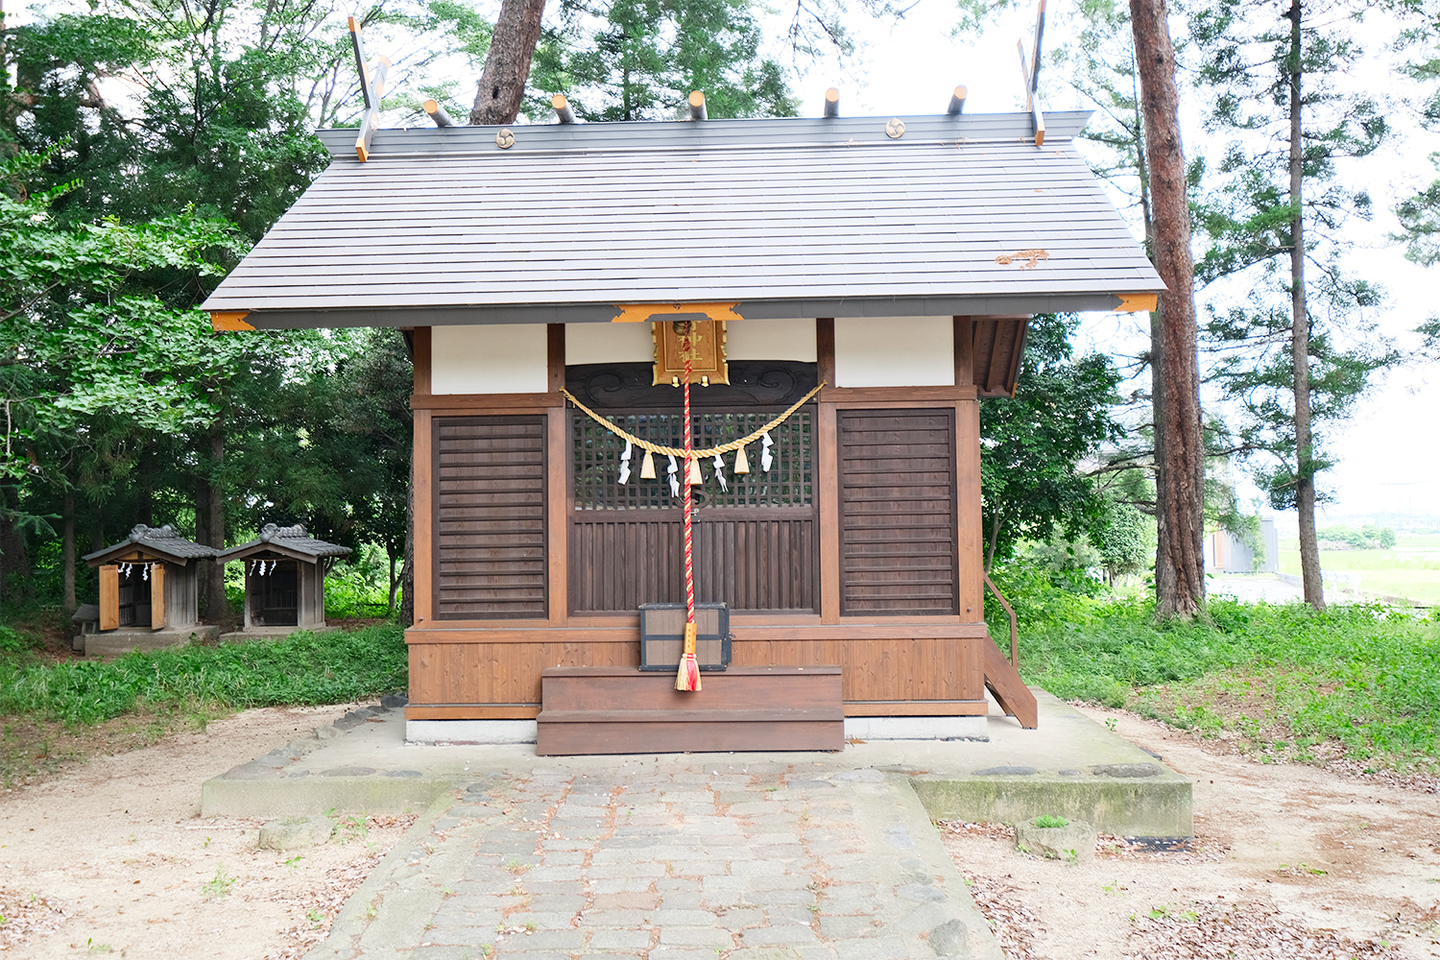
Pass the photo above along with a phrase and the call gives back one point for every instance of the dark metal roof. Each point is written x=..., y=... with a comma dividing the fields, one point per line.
x=293, y=541
x=162, y=542
x=787, y=218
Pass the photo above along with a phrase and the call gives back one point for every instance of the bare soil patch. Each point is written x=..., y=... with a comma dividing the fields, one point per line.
x=1288, y=861
x=111, y=855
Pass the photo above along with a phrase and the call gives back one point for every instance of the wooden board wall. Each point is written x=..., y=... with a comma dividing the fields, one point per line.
x=886, y=672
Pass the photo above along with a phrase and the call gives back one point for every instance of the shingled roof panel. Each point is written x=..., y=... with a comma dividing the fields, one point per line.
x=444, y=227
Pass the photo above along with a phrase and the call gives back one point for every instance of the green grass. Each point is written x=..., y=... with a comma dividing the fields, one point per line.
x=1410, y=569
x=302, y=669
x=1360, y=680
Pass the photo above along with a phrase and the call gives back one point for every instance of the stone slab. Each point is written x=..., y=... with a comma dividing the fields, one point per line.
x=117, y=643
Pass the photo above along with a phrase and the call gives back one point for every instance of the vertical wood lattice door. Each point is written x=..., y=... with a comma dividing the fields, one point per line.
x=898, y=547
x=754, y=543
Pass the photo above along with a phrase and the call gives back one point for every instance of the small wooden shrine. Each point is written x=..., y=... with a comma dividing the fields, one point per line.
x=730, y=362
x=149, y=589
x=285, y=571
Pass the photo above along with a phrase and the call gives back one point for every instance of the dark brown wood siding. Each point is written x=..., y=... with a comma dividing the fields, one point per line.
x=761, y=559
x=897, y=512
x=490, y=510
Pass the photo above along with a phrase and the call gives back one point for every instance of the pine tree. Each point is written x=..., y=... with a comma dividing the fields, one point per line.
x=1296, y=342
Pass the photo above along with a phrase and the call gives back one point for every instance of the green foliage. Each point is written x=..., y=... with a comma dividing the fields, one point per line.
x=302, y=669
x=1047, y=822
x=1364, y=678
x=1034, y=442
x=640, y=59
x=1368, y=537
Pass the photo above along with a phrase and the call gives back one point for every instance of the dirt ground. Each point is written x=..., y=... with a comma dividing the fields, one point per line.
x=1288, y=861
x=111, y=856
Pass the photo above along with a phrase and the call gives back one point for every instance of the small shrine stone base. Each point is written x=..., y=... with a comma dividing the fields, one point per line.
x=117, y=643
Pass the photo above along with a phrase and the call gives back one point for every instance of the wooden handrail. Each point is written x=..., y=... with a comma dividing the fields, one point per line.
x=1014, y=634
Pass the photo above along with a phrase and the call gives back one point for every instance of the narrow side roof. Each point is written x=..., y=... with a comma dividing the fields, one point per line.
x=785, y=218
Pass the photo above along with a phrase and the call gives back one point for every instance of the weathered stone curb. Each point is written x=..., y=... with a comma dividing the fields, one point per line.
x=1073, y=843
x=290, y=833
x=1158, y=806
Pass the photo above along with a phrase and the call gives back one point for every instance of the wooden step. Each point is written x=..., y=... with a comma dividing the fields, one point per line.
x=602, y=710
x=1003, y=680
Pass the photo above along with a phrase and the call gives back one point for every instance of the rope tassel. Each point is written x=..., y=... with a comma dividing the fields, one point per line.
x=647, y=466
x=693, y=474
x=742, y=462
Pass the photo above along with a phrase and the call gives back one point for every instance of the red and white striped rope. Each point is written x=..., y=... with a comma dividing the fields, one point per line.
x=685, y=479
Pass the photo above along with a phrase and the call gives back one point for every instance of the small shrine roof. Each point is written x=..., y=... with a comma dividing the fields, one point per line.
x=164, y=543
x=293, y=541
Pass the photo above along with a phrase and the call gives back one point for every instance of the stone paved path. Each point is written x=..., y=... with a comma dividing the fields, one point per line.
x=668, y=858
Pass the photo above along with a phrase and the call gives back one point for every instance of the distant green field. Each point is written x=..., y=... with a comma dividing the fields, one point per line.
x=1411, y=569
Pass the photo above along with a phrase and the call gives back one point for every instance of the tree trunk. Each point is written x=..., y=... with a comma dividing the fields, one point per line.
x=1180, y=479
x=1300, y=337
x=67, y=551
x=15, y=573
x=210, y=524
x=394, y=580
x=507, y=64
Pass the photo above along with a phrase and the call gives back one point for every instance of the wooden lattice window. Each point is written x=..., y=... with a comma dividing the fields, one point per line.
x=788, y=483
x=755, y=543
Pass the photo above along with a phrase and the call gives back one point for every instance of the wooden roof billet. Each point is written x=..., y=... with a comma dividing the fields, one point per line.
x=822, y=217
x=161, y=543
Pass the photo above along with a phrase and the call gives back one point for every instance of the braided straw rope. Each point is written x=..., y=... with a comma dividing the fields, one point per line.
x=730, y=447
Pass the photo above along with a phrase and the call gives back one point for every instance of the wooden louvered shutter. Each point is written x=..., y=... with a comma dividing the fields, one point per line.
x=490, y=518
x=897, y=512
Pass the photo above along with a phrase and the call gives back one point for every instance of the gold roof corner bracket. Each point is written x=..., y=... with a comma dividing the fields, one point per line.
x=229, y=320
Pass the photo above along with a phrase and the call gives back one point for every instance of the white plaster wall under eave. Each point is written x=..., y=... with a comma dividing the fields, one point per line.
x=894, y=351
x=498, y=358
x=770, y=340
x=609, y=343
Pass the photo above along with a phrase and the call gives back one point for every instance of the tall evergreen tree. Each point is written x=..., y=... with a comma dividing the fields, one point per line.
x=1300, y=346
x=640, y=59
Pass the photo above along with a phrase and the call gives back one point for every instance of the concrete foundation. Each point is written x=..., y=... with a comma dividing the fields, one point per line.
x=372, y=759
x=116, y=643
x=916, y=728
x=470, y=731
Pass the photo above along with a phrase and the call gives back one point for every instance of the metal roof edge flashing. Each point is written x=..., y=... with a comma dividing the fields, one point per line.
x=639, y=136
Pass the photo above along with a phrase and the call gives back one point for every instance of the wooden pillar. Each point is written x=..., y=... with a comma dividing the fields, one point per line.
x=970, y=569
x=557, y=483
x=827, y=486
x=422, y=491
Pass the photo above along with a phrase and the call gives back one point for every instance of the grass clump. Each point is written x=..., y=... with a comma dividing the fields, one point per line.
x=1047, y=822
x=302, y=669
x=1359, y=680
